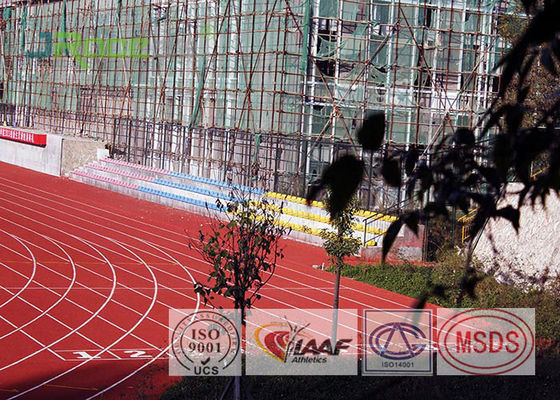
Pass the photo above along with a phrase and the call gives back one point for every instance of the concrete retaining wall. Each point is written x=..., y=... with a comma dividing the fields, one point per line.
x=535, y=250
x=61, y=155
x=42, y=159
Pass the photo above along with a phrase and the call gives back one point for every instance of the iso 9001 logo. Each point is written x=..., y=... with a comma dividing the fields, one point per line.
x=205, y=343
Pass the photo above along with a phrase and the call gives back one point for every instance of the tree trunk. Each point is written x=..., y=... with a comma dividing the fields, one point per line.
x=335, y=305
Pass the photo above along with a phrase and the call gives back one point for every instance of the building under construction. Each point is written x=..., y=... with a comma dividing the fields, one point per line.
x=263, y=93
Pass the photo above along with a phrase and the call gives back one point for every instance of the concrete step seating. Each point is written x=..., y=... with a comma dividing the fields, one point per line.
x=105, y=179
x=195, y=193
x=319, y=218
x=212, y=195
x=377, y=223
x=169, y=175
x=118, y=184
x=146, y=178
x=320, y=204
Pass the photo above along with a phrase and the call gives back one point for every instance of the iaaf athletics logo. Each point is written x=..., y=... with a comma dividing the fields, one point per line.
x=295, y=342
x=288, y=343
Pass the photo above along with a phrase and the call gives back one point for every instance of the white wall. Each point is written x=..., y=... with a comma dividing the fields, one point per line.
x=42, y=159
x=534, y=250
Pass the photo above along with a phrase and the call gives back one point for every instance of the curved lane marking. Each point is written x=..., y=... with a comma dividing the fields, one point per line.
x=164, y=351
x=73, y=280
x=107, y=348
x=30, y=278
x=107, y=300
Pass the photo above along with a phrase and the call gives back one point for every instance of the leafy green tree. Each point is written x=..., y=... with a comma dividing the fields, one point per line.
x=243, y=250
x=340, y=244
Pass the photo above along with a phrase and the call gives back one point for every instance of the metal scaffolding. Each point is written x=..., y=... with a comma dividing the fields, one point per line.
x=263, y=93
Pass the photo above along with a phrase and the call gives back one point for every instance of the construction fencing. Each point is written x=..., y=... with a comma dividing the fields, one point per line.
x=262, y=92
x=276, y=163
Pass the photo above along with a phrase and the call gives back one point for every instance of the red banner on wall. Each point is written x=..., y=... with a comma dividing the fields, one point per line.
x=18, y=135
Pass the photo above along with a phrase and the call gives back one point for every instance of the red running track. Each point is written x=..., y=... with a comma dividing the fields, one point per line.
x=88, y=278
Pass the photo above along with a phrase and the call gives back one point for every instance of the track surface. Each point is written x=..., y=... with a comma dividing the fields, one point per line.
x=87, y=280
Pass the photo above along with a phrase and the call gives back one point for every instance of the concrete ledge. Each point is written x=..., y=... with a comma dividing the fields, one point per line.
x=77, y=152
x=47, y=160
x=61, y=155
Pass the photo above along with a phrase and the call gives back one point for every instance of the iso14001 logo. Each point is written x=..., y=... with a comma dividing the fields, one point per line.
x=397, y=342
x=406, y=335
x=205, y=343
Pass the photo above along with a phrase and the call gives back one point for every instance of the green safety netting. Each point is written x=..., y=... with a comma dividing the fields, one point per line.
x=252, y=66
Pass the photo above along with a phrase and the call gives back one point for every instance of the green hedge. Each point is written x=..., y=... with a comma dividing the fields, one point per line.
x=413, y=281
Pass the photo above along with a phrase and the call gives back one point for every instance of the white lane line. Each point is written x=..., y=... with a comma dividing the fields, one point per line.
x=270, y=285
x=29, y=278
x=46, y=311
x=148, y=288
x=328, y=292
x=131, y=221
x=203, y=262
x=114, y=349
x=187, y=255
x=30, y=337
x=277, y=274
x=307, y=311
x=56, y=319
x=104, y=277
x=97, y=293
x=160, y=356
x=175, y=276
x=162, y=271
x=107, y=348
x=108, y=299
x=357, y=346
